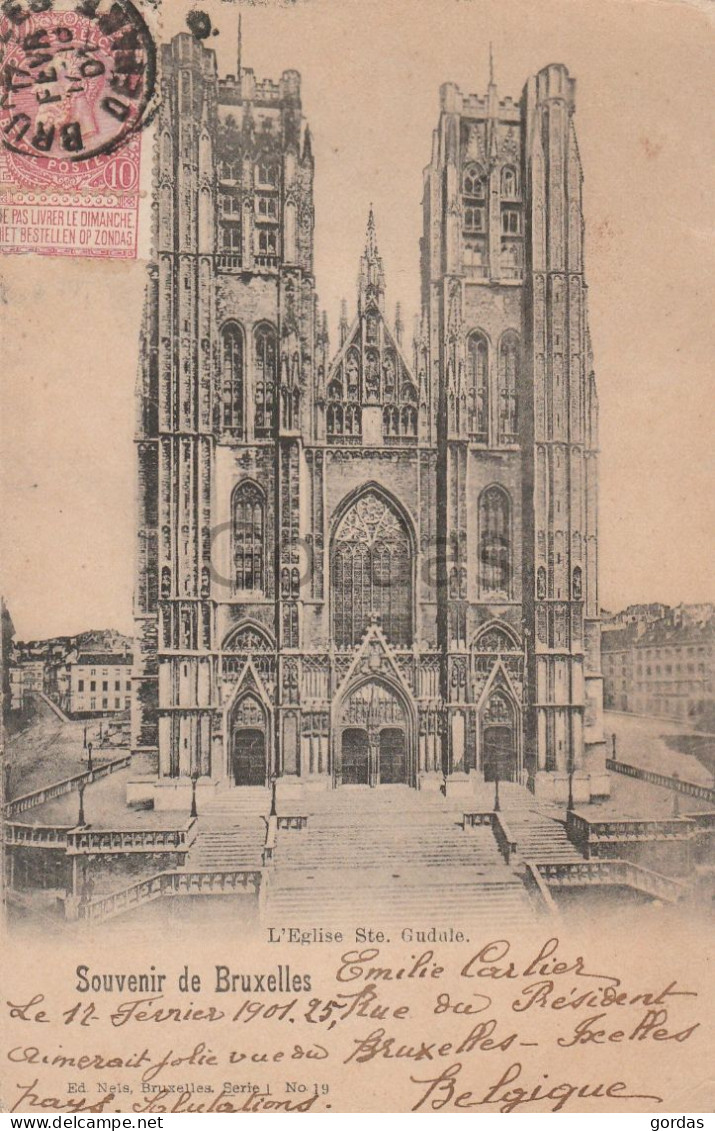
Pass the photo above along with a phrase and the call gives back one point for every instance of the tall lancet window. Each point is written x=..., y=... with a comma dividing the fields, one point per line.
x=509, y=183
x=495, y=541
x=478, y=377
x=508, y=380
x=232, y=377
x=265, y=346
x=371, y=572
x=248, y=538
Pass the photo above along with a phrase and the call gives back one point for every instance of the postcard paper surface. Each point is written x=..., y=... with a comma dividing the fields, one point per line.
x=358, y=683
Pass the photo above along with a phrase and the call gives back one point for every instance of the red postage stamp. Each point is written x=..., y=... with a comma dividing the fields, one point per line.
x=61, y=208
x=76, y=80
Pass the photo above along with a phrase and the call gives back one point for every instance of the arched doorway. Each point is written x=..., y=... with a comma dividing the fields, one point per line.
x=499, y=745
x=393, y=755
x=356, y=756
x=373, y=737
x=248, y=742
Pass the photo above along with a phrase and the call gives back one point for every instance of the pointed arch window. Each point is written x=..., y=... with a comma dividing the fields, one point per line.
x=495, y=541
x=495, y=639
x=267, y=173
x=478, y=378
x=577, y=588
x=509, y=183
x=473, y=182
x=266, y=355
x=508, y=383
x=249, y=522
x=232, y=377
x=371, y=572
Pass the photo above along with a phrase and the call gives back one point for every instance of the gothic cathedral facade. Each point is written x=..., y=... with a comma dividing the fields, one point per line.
x=375, y=563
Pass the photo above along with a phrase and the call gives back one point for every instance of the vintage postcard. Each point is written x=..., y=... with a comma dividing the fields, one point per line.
x=358, y=612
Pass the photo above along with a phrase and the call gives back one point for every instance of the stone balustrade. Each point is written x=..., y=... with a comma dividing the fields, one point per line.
x=690, y=788
x=588, y=833
x=610, y=873
x=504, y=837
x=298, y=822
x=473, y=820
x=18, y=835
x=244, y=882
x=538, y=890
x=69, y=785
x=103, y=841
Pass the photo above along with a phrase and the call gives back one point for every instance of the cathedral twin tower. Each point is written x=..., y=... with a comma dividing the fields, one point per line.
x=375, y=563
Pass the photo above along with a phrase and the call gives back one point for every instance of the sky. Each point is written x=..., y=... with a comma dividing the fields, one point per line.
x=371, y=76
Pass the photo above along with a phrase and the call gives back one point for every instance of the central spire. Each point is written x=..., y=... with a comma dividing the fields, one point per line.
x=372, y=274
x=371, y=240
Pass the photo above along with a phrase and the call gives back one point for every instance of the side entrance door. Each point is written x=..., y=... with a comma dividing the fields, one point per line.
x=499, y=761
x=249, y=756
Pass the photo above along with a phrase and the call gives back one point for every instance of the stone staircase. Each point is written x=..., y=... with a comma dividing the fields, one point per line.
x=540, y=837
x=391, y=857
x=231, y=831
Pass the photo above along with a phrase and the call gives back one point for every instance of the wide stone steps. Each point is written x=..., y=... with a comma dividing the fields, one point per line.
x=231, y=831
x=371, y=898
x=540, y=837
x=373, y=864
x=356, y=853
x=364, y=845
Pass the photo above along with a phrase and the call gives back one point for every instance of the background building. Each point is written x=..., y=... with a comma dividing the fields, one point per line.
x=56, y=667
x=377, y=564
x=99, y=683
x=664, y=666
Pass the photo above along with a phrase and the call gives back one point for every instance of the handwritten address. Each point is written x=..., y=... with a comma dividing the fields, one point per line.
x=494, y=1028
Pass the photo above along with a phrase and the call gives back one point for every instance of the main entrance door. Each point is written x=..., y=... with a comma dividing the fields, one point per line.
x=393, y=755
x=249, y=756
x=356, y=756
x=373, y=737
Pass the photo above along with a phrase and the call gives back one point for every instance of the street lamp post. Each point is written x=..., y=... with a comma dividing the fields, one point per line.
x=90, y=765
x=676, y=796
x=569, y=804
x=274, y=786
x=80, y=815
x=194, y=783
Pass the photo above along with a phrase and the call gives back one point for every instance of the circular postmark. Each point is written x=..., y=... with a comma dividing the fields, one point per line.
x=77, y=77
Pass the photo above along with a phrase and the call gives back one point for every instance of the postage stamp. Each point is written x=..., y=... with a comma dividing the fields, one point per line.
x=77, y=78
